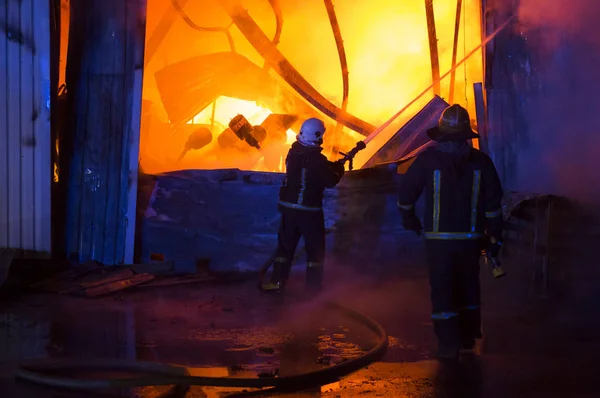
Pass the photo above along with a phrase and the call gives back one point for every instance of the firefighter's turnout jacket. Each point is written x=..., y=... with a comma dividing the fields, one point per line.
x=308, y=174
x=460, y=202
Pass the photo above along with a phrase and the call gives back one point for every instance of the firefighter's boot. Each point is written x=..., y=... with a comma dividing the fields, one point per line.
x=314, y=277
x=470, y=328
x=279, y=276
x=446, y=327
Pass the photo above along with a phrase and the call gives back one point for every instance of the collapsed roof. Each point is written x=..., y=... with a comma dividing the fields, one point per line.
x=412, y=138
x=189, y=86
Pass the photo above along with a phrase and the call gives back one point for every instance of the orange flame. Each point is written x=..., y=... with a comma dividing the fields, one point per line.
x=388, y=56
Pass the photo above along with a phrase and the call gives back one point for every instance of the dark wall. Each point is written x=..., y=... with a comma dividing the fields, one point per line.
x=542, y=86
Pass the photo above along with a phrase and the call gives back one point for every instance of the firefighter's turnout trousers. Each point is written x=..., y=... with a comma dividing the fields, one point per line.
x=455, y=291
x=463, y=203
x=311, y=227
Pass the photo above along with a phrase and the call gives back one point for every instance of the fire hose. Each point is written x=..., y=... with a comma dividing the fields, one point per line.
x=157, y=374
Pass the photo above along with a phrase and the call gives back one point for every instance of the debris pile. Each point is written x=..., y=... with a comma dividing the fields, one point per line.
x=94, y=279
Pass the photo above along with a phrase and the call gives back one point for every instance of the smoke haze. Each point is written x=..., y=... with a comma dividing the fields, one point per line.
x=564, y=113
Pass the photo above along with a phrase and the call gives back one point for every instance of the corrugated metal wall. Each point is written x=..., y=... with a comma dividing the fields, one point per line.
x=25, y=139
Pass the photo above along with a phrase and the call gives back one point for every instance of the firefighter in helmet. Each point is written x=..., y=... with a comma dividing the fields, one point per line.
x=308, y=173
x=463, y=197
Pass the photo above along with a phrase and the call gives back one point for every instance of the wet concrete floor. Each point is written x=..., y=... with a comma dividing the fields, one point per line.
x=533, y=347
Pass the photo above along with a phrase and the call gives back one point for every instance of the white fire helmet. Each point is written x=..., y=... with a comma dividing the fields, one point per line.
x=311, y=132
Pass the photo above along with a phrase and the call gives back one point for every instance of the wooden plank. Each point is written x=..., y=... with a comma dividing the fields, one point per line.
x=28, y=141
x=101, y=84
x=131, y=125
x=134, y=161
x=102, y=159
x=108, y=278
x=482, y=32
x=178, y=281
x=13, y=123
x=481, y=115
x=455, y=50
x=433, y=48
x=119, y=285
x=118, y=139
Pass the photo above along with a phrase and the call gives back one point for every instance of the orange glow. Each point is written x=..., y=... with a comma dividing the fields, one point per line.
x=226, y=108
x=212, y=156
x=387, y=49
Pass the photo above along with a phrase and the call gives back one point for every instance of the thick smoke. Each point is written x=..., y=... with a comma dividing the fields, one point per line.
x=563, y=113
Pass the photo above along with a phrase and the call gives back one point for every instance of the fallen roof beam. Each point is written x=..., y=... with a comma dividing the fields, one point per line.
x=284, y=68
x=411, y=137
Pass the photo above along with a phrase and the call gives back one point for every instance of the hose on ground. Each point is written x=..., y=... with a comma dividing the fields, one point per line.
x=157, y=374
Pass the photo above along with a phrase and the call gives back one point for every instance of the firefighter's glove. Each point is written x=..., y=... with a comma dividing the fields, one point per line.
x=411, y=222
x=338, y=166
x=493, y=248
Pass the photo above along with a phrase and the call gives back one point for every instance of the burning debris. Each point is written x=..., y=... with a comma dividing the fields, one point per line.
x=209, y=91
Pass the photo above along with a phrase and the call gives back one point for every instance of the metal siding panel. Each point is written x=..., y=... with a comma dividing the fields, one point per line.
x=43, y=169
x=25, y=165
x=27, y=116
x=14, y=126
x=3, y=136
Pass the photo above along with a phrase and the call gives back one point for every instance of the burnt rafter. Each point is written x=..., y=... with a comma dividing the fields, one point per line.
x=261, y=43
x=433, y=47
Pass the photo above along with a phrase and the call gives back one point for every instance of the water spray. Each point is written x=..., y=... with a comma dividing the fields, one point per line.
x=379, y=129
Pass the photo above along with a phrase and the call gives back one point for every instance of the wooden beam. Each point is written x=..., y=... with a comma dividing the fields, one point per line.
x=264, y=46
x=455, y=50
x=106, y=53
x=134, y=161
x=433, y=48
x=481, y=115
x=161, y=30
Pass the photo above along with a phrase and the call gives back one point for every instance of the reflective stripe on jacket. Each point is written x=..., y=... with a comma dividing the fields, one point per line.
x=308, y=173
x=462, y=198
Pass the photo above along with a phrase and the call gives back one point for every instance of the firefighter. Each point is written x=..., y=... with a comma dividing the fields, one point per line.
x=308, y=173
x=463, y=197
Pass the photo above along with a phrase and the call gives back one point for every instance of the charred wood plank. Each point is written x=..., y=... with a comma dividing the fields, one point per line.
x=118, y=285
x=433, y=48
x=455, y=50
